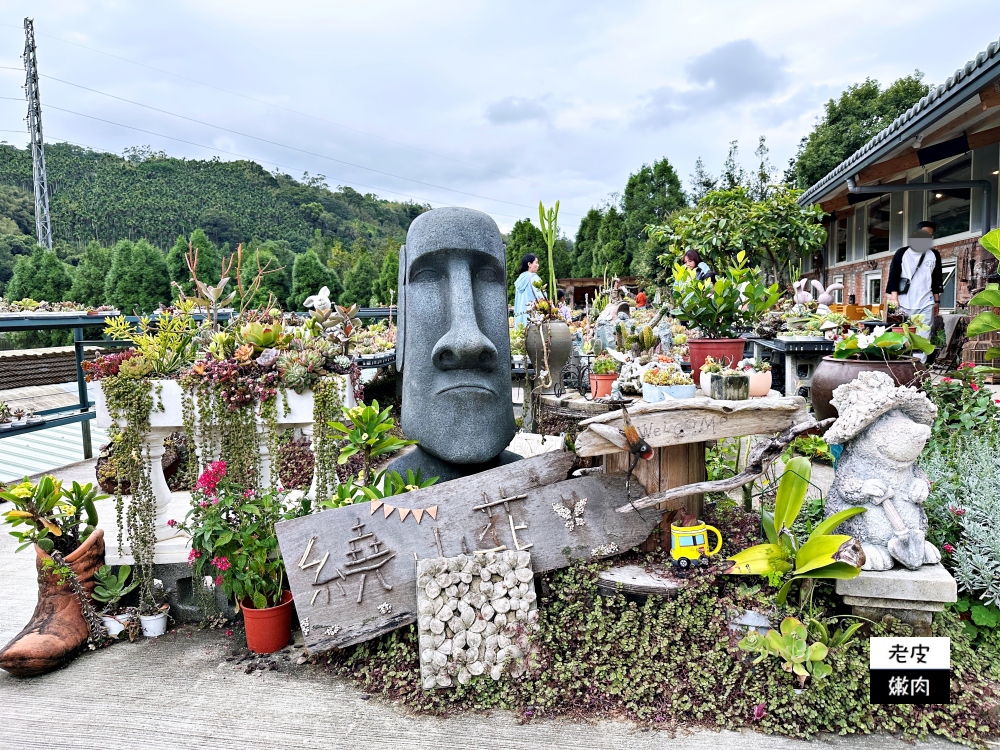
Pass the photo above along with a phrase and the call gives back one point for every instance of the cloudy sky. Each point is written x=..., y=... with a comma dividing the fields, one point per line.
x=489, y=105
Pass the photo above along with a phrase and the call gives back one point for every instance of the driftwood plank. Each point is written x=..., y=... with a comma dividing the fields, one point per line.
x=694, y=420
x=352, y=571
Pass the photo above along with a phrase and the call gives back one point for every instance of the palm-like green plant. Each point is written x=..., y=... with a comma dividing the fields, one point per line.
x=111, y=587
x=988, y=322
x=365, y=428
x=548, y=222
x=821, y=555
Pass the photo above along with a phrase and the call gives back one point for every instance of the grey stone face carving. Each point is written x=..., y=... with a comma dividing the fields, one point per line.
x=883, y=429
x=453, y=345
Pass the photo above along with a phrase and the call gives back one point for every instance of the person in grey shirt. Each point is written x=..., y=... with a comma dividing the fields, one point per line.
x=916, y=279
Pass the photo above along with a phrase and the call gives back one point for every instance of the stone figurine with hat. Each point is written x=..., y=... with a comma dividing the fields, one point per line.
x=883, y=428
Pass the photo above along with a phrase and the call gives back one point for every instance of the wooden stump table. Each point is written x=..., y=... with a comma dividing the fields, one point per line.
x=678, y=430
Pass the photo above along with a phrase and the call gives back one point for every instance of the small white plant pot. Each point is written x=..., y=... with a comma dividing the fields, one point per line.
x=153, y=626
x=705, y=381
x=116, y=623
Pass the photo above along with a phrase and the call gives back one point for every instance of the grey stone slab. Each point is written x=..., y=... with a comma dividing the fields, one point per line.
x=864, y=601
x=929, y=583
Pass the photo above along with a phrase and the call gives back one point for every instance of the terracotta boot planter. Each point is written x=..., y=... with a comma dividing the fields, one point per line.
x=57, y=631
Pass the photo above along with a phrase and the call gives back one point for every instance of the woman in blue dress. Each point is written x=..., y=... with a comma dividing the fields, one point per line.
x=525, y=291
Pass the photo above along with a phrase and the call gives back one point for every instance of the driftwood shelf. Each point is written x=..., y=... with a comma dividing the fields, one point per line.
x=678, y=431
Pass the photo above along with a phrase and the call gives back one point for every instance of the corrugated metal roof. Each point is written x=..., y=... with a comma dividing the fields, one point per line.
x=939, y=102
x=45, y=450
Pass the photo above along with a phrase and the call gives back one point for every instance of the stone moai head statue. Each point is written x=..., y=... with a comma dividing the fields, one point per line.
x=453, y=345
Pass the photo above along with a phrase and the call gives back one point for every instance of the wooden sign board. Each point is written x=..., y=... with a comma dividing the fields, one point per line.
x=353, y=570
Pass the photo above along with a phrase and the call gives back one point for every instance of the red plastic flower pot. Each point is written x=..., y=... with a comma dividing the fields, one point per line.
x=268, y=629
x=725, y=351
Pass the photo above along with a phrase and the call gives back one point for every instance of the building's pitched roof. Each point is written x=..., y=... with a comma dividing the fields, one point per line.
x=941, y=100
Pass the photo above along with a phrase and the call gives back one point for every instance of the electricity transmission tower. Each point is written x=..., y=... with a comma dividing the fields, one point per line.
x=43, y=224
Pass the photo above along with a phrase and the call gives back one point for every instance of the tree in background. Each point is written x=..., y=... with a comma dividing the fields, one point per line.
x=41, y=276
x=702, y=182
x=586, y=241
x=524, y=238
x=12, y=246
x=18, y=208
x=775, y=231
x=849, y=123
x=359, y=282
x=91, y=275
x=610, y=251
x=309, y=275
x=209, y=262
x=651, y=195
x=388, y=277
x=139, y=280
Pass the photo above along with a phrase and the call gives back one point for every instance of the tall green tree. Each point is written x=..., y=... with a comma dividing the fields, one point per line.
x=524, y=238
x=610, y=253
x=41, y=276
x=702, y=181
x=850, y=122
x=18, y=206
x=651, y=195
x=12, y=246
x=388, y=278
x=139, y=280
x=209, y=265
x=775, y=232
x=91, y=275
x=359, y=282
x=586, y=241
x=309, y=275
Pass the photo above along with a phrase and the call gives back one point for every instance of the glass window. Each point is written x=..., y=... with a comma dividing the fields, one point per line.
x=950, y=209
x=699, y=539
x=685, y=541
x=840, y=240
x=948, y=292
x=873, y=289
x=879, y=218
x=838, y=294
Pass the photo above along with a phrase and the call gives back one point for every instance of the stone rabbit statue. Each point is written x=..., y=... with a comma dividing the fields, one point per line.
x=802, y=295
x=824, y=297
x=883, y=429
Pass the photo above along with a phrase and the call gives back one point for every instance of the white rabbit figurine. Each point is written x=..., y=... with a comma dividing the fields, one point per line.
x=802, y=295
x=824, y=297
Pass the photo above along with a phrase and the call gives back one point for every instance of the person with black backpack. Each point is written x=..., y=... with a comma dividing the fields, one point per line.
x=916, y=279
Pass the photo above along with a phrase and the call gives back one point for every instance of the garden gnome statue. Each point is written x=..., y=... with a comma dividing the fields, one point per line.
x=453, y=345
x=883, y=429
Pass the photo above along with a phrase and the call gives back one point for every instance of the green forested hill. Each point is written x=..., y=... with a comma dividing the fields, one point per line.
x=106, y=197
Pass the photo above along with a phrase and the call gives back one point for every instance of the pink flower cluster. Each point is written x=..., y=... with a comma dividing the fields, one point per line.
x=211, y=477
x=220, y=562
x=193, y=555
x=948, y=548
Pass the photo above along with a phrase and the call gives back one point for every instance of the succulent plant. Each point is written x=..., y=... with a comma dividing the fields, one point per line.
x=790, y=644
x=136, y=367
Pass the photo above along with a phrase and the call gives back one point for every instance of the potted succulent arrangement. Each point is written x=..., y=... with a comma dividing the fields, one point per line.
x=547, y=338
x=730, y=385
x=709, y=369
x=603, y=373
x=759, y=373
x=110, y=588
x=722, y=309
x=231, y=526
x=882, y=349
x=61, y=525
x=659, y=382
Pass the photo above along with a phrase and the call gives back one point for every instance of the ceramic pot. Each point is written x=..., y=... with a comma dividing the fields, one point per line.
x=678, y=391
x=727, y=351
x=153, y=626
x=116, y=623
x=601, y=384
x=651, y=393
x=268, y=629
x=705, y=381
x=836, y=372
x=559, y=340
x=731, y=388
x=760, y=383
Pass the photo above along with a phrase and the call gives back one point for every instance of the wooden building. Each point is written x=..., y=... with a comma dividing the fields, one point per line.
x=939, y=161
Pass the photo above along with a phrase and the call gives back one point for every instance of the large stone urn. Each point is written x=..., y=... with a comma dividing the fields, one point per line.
x=835, y=372
x=558, y=345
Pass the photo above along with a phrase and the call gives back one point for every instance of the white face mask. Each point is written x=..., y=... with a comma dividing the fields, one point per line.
x=920, y=244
